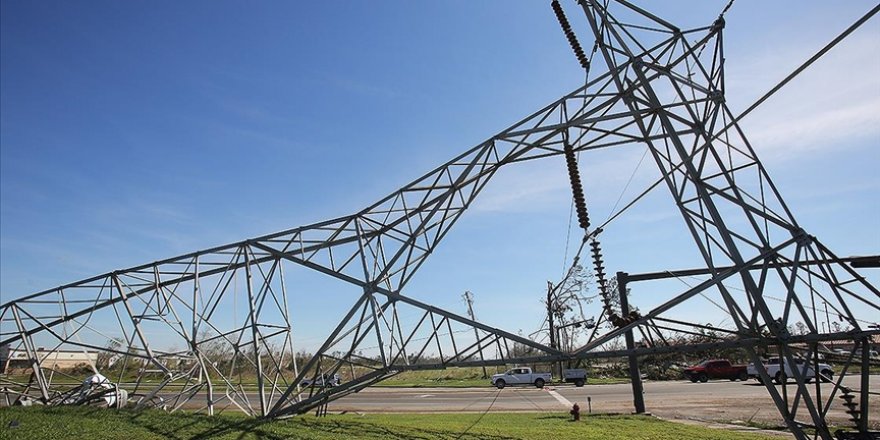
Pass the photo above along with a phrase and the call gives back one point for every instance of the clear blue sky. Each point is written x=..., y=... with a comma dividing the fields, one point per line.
x=135, y=131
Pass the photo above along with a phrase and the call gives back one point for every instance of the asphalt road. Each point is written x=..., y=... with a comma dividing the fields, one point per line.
x=720, y=401
x=715, y=401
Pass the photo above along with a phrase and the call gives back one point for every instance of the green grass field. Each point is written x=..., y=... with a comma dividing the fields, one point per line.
x=95, y=423
x=447, y=378
x=394, y=382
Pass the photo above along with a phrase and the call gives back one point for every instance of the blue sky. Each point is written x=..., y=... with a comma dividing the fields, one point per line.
x=135, y=131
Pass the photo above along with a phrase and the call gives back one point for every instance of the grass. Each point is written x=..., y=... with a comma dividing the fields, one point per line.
x=780, y=428
x=396, y=382
x=448, y=378
x=96, y=423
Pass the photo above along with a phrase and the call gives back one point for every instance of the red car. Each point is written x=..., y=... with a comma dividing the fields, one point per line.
x=716, y=369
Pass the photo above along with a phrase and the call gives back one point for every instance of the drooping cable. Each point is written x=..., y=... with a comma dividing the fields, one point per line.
x=580, y=204
x=483, y=414
x=585, y=63
x=577, y=190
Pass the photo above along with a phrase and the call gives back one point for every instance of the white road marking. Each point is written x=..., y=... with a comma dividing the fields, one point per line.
x=565, y=402
x=425, y=395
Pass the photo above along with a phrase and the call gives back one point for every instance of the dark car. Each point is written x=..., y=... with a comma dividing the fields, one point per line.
x=716, y=369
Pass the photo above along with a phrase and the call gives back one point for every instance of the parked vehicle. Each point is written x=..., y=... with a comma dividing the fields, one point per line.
x=871, y=353
x=716, y=369
x=841, y=354
x=520, y=376
x=577, y=376
x=780, y=375
x=323, y=380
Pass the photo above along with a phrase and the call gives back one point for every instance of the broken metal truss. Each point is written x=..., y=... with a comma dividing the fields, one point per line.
x=663, y=89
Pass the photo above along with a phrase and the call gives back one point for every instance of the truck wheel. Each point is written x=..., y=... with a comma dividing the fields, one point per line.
x=760, y=380
x=743, y=376
x=539, y=383
x=694, y=379
x=500, y=383
x=827, y=375
x=780, y=378
x=578, y=383
x=703, y=378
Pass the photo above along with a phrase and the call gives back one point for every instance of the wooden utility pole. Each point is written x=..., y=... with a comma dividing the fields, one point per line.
x=550, y=312
x=469, y=298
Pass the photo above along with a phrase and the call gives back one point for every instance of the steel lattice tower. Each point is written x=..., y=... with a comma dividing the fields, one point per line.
x=663, y=88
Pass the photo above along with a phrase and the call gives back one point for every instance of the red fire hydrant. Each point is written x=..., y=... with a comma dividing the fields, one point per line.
x=575, y=412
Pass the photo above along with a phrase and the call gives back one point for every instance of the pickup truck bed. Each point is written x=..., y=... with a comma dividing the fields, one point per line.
x=779, y=375
x=577, y=376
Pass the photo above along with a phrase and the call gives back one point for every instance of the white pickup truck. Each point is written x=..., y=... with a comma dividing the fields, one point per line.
x=520, y=376
x=780, y=375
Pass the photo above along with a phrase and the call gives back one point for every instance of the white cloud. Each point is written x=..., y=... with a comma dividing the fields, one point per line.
x=519, y=188
x=364, y=88
x=538, y=185
x=832, y=105
x=782, y=137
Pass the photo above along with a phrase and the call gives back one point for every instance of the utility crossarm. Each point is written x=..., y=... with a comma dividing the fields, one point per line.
x=870, y=261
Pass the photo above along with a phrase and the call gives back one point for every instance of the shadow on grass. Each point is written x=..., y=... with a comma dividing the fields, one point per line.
x=584, y=416
x=151, y=420
x=553, y=417
x=201, y=427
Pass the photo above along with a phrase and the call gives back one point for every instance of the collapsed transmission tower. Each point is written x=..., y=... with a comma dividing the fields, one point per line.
x=663, y=89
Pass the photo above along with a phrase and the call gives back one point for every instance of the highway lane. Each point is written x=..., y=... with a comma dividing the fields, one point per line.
x=720, y=401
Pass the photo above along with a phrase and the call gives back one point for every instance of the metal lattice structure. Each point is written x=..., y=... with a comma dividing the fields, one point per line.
x=663, y=89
